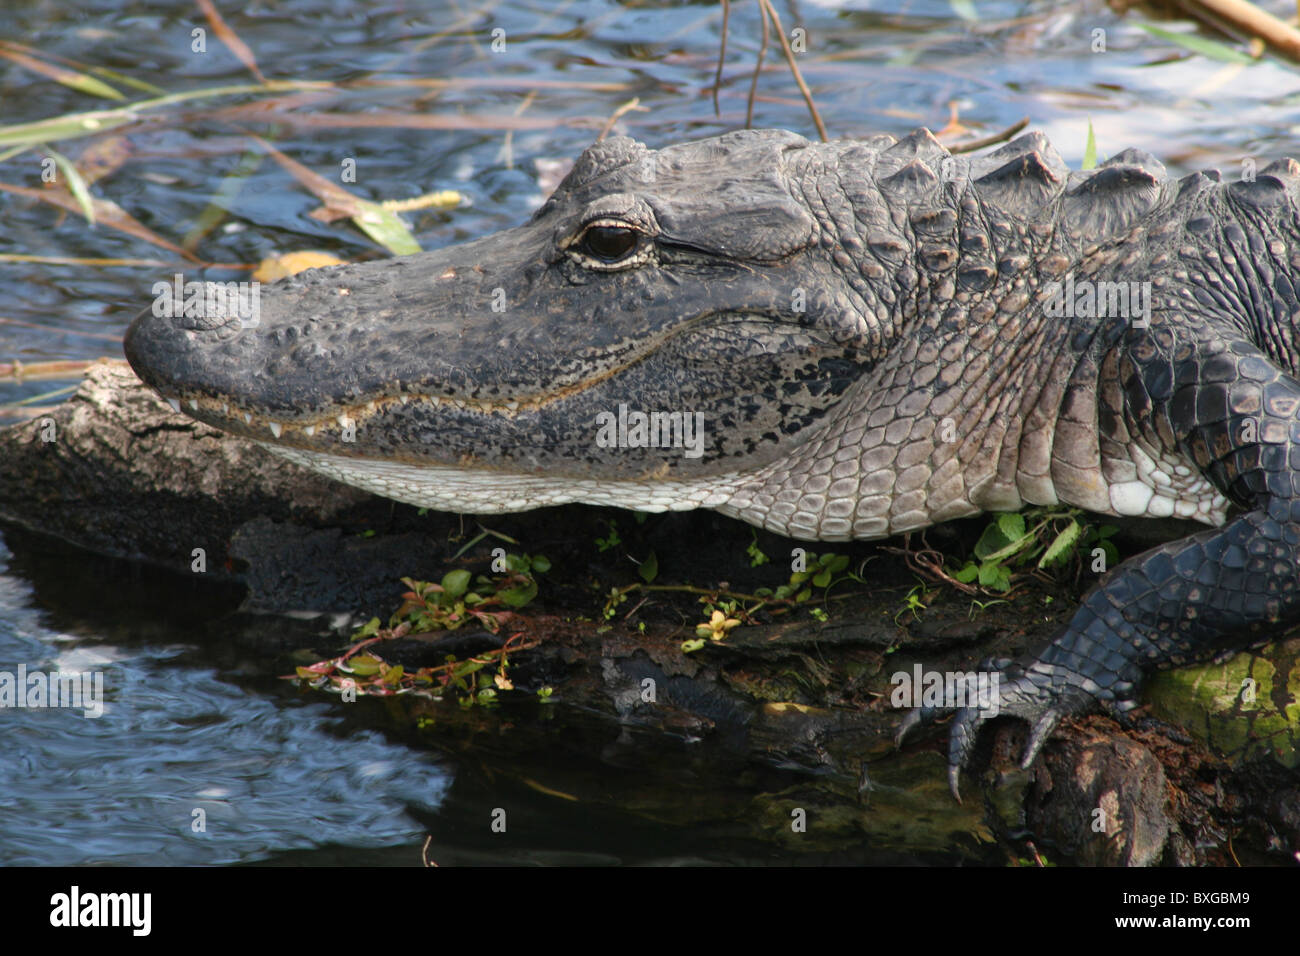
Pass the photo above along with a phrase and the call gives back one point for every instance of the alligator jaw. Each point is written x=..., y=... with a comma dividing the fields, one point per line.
x=479, y=491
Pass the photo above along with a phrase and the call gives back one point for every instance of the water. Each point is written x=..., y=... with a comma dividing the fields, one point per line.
x=173, y=739
x=193, y=722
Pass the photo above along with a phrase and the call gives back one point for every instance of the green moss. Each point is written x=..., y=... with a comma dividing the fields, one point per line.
x=1242, y=708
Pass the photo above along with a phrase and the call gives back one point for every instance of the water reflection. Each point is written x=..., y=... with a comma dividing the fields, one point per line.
x=173, y=740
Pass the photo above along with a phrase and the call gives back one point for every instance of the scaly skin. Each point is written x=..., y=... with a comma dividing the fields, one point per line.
x=867, y=330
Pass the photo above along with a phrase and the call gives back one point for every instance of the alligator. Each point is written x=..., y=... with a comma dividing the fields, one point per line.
x=834, y=341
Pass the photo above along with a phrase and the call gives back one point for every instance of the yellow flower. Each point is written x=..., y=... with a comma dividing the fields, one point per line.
x=718, y=626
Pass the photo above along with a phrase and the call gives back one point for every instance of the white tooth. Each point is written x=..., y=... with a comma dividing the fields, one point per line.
x=225, y=408
x=309, y=430
x=512, y=406
x=275, y=429
x=403, y=397
x=371, y=407
x=175, y=403
x=344, y=421
x=248, y=419
x=194, y=405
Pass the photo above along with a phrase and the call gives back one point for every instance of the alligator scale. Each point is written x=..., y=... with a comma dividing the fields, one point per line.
x=873, y=336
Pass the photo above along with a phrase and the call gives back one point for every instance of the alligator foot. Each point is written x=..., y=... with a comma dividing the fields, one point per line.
x=1039, y=693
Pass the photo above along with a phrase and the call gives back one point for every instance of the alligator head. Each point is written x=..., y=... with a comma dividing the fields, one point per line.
x=682, y=285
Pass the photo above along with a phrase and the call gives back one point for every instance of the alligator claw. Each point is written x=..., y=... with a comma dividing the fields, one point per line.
x=1035, y=693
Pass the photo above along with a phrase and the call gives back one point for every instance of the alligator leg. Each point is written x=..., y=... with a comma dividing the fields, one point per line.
x=1237, y=415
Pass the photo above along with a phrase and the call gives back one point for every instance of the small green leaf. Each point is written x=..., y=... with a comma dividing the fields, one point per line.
x=364, y=665
x=823, y=579
x=690, y=647
x=649, y=568
x=1012, y=525
x=456, y=583
x=465, y=668
x=518, y=597
x=994, y=577
x=541, y=563
x=386, y=228
x=1061, y=547
x=990, y=541
x=840, y=562
x=968, y=573
x=803, y=595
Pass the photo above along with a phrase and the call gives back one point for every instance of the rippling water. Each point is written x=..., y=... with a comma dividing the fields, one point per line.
x=123, y=788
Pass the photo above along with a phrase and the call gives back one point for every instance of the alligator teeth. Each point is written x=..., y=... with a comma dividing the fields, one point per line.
x=309, y=430
x=344, y=421
x=175, y=403
x=512, y=406
x=225, y=408
x=194, y=405
x=275, y=429
x=248, y=419
x=403, y=398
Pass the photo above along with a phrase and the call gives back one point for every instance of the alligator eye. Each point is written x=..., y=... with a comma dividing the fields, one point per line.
x=608, y=243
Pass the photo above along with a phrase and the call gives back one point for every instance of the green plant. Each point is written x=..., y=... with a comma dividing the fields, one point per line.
x=616, y=597
x=914, y=602
x=449, y=604
x=445, y=605
x=1045, y=537
x=612, y=541
x=819, y=572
